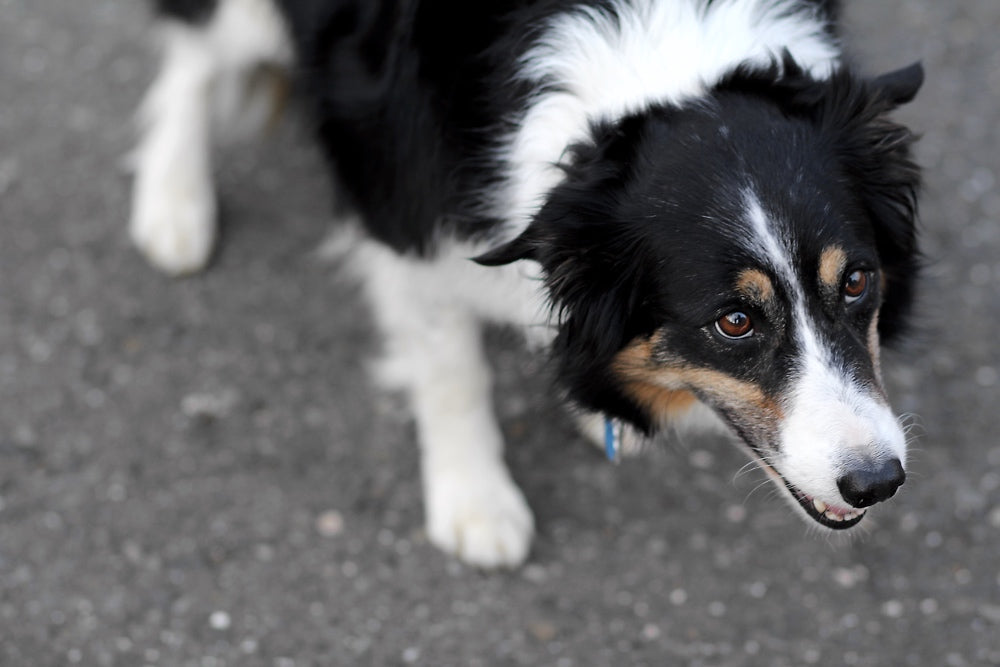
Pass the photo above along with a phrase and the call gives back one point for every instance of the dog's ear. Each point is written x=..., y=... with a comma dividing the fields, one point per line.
x=876, y=154
x=597, y=287
x=590, y=167
x=524, y=246
x=594, y=273
x=900, y=86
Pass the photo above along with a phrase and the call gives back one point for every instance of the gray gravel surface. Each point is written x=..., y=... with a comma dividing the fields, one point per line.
x=198, y=472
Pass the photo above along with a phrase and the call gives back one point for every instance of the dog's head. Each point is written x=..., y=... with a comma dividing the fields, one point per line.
x=749, y=250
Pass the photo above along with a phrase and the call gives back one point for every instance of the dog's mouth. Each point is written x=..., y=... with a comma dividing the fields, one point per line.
x=828, y=516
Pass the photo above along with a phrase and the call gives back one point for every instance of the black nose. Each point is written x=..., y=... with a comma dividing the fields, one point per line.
x=872, y=482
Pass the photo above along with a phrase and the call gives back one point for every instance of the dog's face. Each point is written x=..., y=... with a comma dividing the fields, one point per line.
x=749, y=252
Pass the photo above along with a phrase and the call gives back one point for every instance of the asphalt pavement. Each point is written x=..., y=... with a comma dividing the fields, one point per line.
x=198, y=472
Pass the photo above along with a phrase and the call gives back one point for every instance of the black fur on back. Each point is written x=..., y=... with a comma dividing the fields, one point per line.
x=411, y=99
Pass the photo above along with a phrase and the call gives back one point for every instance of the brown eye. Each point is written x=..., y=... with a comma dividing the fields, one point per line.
x=855, y=285
x=734, y=325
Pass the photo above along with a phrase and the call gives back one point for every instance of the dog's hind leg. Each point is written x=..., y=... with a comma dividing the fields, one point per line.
x=435, y=354
x=206, y=56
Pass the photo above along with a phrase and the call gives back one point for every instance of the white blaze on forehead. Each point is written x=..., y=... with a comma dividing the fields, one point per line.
x=832, y=421
x=762, y=241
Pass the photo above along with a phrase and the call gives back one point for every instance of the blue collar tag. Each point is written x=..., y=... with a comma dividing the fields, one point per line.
x=612, y=439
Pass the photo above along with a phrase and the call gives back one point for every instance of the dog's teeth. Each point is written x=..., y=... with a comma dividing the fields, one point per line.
x=833, y=517
x=819, y=505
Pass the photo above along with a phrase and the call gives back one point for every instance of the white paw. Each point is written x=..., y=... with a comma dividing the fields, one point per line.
x=173, y=220
x=481, y=518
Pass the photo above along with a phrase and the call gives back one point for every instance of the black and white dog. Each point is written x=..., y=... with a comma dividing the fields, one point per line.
x=702, y=210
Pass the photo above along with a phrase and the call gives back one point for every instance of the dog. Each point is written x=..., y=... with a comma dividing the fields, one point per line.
x=701, y=209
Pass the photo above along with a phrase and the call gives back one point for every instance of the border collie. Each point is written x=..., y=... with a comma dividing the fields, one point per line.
x=700, y=208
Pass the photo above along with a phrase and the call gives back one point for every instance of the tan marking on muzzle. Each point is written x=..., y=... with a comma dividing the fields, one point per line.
x=832, y=262
x=635, y=368
x=755, y=285
x=668, y=387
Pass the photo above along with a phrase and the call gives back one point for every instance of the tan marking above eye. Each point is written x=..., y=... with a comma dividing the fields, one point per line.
x=755, y=285
x=832, y=262
x=666, y=387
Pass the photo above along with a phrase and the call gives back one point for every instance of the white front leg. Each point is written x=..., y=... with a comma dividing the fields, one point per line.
x=474, y=509
x=434, y=353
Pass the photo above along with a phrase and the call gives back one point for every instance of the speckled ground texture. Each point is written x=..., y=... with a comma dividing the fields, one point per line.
x=198, y=472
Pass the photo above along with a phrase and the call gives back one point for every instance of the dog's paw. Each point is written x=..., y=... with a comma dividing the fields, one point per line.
x=481, y=518
x=173, y=220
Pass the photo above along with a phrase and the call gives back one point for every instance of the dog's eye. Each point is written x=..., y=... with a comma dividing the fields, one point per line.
x=855, y=285
x=736, y=324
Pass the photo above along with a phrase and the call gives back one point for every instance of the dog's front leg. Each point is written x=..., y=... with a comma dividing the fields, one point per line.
x=435, y=354
x=473, y=507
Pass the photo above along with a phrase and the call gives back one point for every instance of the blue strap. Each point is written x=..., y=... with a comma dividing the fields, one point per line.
x=612, y=439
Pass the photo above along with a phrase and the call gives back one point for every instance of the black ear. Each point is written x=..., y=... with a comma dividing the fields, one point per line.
x=876, y=154
x=900, y=86
x=522, y=247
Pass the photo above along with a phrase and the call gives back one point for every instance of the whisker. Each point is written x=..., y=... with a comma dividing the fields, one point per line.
x=754, y=490
x=910, y=422
x=747, y=468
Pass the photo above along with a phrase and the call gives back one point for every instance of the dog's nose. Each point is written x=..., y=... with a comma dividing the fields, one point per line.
x=872, y=482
